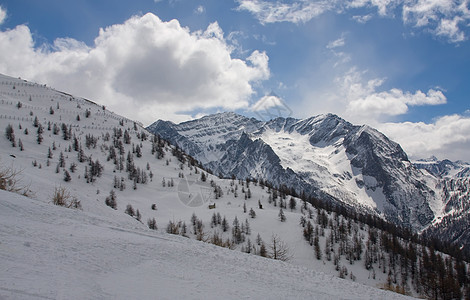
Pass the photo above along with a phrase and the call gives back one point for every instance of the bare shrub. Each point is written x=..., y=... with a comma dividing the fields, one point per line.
x=10, y=180
x=62, y=197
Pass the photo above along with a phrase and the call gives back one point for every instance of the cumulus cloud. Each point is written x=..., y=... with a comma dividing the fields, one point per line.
x=444, y=18
x=365, y=102
x=394, y=102
x=3, y=15
x=361, y=101
x=446, y=137
x=144, y=68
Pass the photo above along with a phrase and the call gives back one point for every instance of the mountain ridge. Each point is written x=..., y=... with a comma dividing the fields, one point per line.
x=319, y=155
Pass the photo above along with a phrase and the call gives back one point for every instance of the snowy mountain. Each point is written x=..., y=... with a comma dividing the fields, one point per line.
x=135, y=216
x=451, y=180
x=444, y=168
x=325, y=156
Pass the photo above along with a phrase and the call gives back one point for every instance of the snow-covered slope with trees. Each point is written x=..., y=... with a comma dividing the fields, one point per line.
x=126, y=189
x=50, y=252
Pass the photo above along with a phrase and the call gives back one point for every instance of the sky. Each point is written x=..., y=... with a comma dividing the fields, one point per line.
x=401, y=66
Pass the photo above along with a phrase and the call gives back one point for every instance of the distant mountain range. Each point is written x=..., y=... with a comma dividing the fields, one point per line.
x=328, y=158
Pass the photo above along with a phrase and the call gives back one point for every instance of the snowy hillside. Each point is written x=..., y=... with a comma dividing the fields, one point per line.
x=132, y=189
x=50, y=252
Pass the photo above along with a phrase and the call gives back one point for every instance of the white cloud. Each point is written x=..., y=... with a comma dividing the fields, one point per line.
x=446, y=137
x=3, y=15
x=296, y=12
x=445, y=18
x=363, y=101
x=341, y=57
x=199, y=10
x=450, y=29
x=362, y=19
x=393, y=102
x=382, y=5
x=144, y=68
x=336, y=43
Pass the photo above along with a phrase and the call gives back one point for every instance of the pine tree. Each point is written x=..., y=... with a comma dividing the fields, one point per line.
x=130, y=210
x=252, y=213
x=152, y=224
x=65, y=132
x=292, y=203
x=39, y=133
x=9, y=133
x=237, y=232
x=138, y=151
x=127, y=137
x=111, y=200
x=247, y=227
x=316, y=246
x=262, y=250
x=67, y=176
x=308, y=231
x=258, y=239
x=61, y=160
x=281, y=215
x=193, y=219
x=55, y=129
x=225, y=225
x=213, y=220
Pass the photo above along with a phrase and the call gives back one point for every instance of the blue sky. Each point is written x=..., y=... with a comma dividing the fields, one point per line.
x=402, y=66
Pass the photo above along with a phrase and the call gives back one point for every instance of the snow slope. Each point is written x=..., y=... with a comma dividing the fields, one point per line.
x=50, y=252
